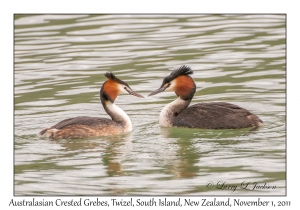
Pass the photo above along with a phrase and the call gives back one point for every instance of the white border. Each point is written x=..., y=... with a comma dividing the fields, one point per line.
x=8, y=8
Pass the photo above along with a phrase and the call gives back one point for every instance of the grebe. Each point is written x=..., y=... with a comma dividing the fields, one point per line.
x=214, y=115
x=85, y=127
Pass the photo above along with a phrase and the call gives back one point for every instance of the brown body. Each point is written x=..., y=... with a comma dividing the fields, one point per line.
x=216, y=115
x=83, y=127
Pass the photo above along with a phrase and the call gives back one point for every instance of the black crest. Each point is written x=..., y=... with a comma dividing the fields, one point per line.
x=182, y=70
x=111, y=76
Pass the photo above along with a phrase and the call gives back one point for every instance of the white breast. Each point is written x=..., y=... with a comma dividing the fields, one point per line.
x=167, y=114
x=163, y=119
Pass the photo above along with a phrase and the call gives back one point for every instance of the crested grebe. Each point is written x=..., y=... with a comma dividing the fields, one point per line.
x=214, y=115
x=85, y=127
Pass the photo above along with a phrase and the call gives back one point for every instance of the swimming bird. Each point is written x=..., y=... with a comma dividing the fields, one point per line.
x=85, y=127
x=213, y=115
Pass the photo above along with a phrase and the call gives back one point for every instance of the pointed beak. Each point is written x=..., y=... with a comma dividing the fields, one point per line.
x=162, y=89
x=131, y=92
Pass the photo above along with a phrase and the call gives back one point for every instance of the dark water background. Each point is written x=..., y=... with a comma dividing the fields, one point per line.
x=59, y=65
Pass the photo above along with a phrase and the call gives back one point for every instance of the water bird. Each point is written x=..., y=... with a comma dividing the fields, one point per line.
x=86, y=127
x=212, y=115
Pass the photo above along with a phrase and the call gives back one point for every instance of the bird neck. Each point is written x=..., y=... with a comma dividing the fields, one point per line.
x=171, y=110
x=116, y=113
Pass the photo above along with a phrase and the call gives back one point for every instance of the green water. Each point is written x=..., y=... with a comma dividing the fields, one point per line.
x=59, y=65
